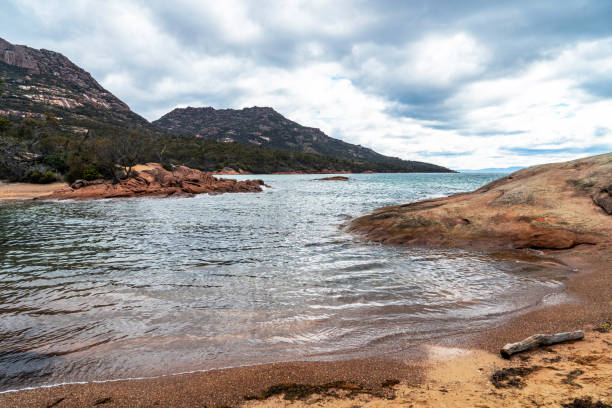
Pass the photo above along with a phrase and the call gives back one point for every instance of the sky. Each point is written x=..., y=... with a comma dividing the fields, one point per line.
x=470, y=84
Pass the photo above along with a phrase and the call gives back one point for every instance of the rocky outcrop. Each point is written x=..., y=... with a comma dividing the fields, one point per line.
x=603, y=198
x=553, y=206
x=154, y=180
x=334, y=178
x=263, y=126
x=227, y=171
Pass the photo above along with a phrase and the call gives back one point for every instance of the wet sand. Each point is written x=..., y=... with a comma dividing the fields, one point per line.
x=27, y=191
x=453, y=372
x=214, y=388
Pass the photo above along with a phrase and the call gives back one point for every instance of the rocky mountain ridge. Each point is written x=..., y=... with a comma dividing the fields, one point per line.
x=263, y=126
x=41, y=81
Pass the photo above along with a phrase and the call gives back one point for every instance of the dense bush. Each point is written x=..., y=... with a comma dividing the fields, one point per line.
x=56, y=161
x=41, y=178
x=91, y=173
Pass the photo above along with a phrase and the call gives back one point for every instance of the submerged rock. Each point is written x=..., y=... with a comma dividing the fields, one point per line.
x=553, y=206
x=334, y=178
x=154, y=180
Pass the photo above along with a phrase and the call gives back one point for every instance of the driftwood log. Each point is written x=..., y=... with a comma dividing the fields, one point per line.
x=538, y=340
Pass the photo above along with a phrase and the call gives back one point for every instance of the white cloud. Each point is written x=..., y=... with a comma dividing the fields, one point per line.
x=546, y=102
x=343, y=67
x=433, y=61
x=439, y=59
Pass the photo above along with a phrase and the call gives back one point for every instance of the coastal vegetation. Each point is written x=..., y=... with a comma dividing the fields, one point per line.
x=43, y=149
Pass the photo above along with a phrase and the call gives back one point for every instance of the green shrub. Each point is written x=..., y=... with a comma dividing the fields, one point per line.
x=41, y=178
x=56, y=161
x=82, y=173
x=33, y=177
x=73, y=175
x=5, y=124
x=48, y=177
x=91, y=173
x=167, y=166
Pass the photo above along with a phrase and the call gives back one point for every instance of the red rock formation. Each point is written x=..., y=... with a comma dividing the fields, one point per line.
x=227, y=171
x=154, y=180
x=552, y=206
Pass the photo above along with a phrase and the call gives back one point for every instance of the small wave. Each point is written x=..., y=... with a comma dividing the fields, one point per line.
x=364, y=267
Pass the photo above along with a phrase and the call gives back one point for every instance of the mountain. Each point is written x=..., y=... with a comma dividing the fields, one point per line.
x=43, y=81
x=57, y=121
x=263, y=126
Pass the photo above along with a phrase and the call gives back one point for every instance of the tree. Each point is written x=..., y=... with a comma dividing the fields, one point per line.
x=107, y=157
x=119, y=152
x=1, y=82
x=160, y=154
x=131, y=148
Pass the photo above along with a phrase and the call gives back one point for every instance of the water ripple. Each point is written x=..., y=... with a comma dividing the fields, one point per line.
x=140, y=287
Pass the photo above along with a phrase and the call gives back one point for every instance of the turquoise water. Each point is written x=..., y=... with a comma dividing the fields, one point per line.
x=141, y=287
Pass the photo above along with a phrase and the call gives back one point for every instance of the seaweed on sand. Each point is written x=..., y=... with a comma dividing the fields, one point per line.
x=512, y=377
x=586, y=402
x=294, y=391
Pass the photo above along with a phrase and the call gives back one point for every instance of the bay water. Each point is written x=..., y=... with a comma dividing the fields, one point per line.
x=99, y=290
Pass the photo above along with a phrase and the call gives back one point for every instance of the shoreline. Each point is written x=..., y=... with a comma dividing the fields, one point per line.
x=27, y=191
x=20, y=191
x=431, y=365
x=577, y=235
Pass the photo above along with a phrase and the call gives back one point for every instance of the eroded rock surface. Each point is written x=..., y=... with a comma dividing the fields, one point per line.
x=154, y=180
x=604, y=199
x=553, y=206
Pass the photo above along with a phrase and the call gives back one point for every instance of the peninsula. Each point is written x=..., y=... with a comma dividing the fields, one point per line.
x=154, y=180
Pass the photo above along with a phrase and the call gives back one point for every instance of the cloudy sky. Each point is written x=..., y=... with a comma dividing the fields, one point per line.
x=468, y=84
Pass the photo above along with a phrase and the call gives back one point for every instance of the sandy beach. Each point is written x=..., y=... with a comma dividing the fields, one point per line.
x=566, y=374
x=455, y=371
x=27, y=191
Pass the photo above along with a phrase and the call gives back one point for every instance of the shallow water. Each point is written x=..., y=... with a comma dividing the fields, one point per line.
x=141, y=287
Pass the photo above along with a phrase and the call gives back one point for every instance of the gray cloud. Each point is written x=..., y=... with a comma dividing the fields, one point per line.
x=594, y=149
x=435, y=70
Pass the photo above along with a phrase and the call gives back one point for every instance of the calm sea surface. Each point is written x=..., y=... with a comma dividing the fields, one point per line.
x=141, y=287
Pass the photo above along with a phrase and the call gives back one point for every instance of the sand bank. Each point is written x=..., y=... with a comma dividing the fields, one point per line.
x=27, y=191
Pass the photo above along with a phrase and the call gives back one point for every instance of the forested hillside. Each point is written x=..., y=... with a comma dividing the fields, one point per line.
x=57, y=121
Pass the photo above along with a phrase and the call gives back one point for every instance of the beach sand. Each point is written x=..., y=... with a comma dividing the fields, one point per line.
x=549, y=377
x=27, y=191
x=455, y=372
